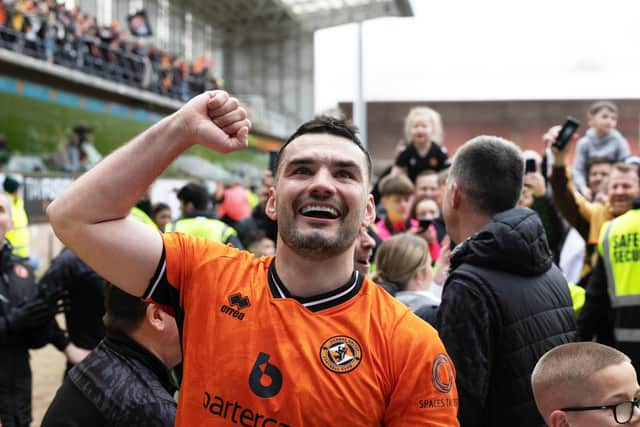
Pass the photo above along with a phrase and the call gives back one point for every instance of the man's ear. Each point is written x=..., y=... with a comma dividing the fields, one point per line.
x=456, y=196
x=155, y=317
x=558, y=418
x=270, y=207
x=369, y=212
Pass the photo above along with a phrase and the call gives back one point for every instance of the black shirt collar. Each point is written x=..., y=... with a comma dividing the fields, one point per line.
x=127, y=346
x=317, y=302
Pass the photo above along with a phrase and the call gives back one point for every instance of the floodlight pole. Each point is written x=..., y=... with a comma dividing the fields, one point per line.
x=359, y=105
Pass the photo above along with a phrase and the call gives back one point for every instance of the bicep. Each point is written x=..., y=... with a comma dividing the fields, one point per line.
x=125, y=252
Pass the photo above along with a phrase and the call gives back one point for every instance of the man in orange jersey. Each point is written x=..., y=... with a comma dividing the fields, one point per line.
x=296, y=339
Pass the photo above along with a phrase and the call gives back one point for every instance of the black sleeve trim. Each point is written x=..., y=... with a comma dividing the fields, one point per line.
x=159, y=276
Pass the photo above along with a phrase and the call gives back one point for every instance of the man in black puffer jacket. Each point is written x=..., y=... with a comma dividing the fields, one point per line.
x=504, y=303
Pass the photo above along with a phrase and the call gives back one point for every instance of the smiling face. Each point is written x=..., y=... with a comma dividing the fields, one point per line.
x=320, y=197
x=623, y=188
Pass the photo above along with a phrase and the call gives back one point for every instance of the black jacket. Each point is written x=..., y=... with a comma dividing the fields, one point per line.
x=120, y=383
x=17, y=286
x=85, y=310
x=504, y=305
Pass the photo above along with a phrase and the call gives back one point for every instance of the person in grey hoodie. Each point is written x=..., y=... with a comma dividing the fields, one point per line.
x=601, y=140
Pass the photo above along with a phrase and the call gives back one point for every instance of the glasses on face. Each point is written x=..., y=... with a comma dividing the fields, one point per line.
x=622, y=411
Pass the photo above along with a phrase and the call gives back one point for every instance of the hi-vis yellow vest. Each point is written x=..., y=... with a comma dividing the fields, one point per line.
x=19, y=236
x=619, y=247
x=201, y=226
x=140, y=216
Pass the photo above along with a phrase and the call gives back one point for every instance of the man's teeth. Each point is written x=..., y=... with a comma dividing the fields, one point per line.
x=326, y=209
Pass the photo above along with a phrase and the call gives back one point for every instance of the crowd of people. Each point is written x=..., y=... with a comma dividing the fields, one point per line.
x=471, y=290
x=47, y=30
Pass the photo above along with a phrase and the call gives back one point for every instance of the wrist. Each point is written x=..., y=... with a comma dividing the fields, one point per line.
x=559, y=160
x=175, y=129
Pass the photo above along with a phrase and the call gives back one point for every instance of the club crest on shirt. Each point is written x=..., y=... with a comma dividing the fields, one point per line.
x=442, y=373
x=340, y=354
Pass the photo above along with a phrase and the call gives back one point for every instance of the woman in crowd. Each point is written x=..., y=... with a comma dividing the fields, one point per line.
x=403, y=261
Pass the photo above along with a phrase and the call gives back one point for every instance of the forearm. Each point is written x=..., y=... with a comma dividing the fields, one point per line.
x=551, y=222
x=565, y=199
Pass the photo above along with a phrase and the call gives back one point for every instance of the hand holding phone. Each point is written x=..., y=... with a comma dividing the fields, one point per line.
x=424, y=224
x=530, y=166
x=564, y=136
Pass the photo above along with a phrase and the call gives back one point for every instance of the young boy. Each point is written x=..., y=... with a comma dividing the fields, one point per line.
x=601, y=140
x=586, y=384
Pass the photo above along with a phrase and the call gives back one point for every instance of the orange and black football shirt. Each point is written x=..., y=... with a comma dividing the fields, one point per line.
x=254, y=355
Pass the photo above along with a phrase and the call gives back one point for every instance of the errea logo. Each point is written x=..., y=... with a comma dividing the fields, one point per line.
x=238, y=301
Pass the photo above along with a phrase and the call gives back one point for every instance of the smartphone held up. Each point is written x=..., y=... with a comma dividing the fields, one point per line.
x=564, y=136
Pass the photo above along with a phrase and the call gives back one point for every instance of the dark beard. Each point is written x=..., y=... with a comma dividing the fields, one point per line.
x=316, y=245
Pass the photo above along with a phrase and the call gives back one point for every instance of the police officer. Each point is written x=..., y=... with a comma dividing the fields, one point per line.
x=197, y=221
x=26, y=321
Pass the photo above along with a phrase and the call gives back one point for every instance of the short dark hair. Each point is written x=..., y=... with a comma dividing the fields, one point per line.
x=123, y=312
x=195, y=194
x=598, y=106
x=427, y=172
x=598, y=161
x=396, y=185
x=623, y=167
x=159, y=207
x=489, y=171
x=332, y=126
